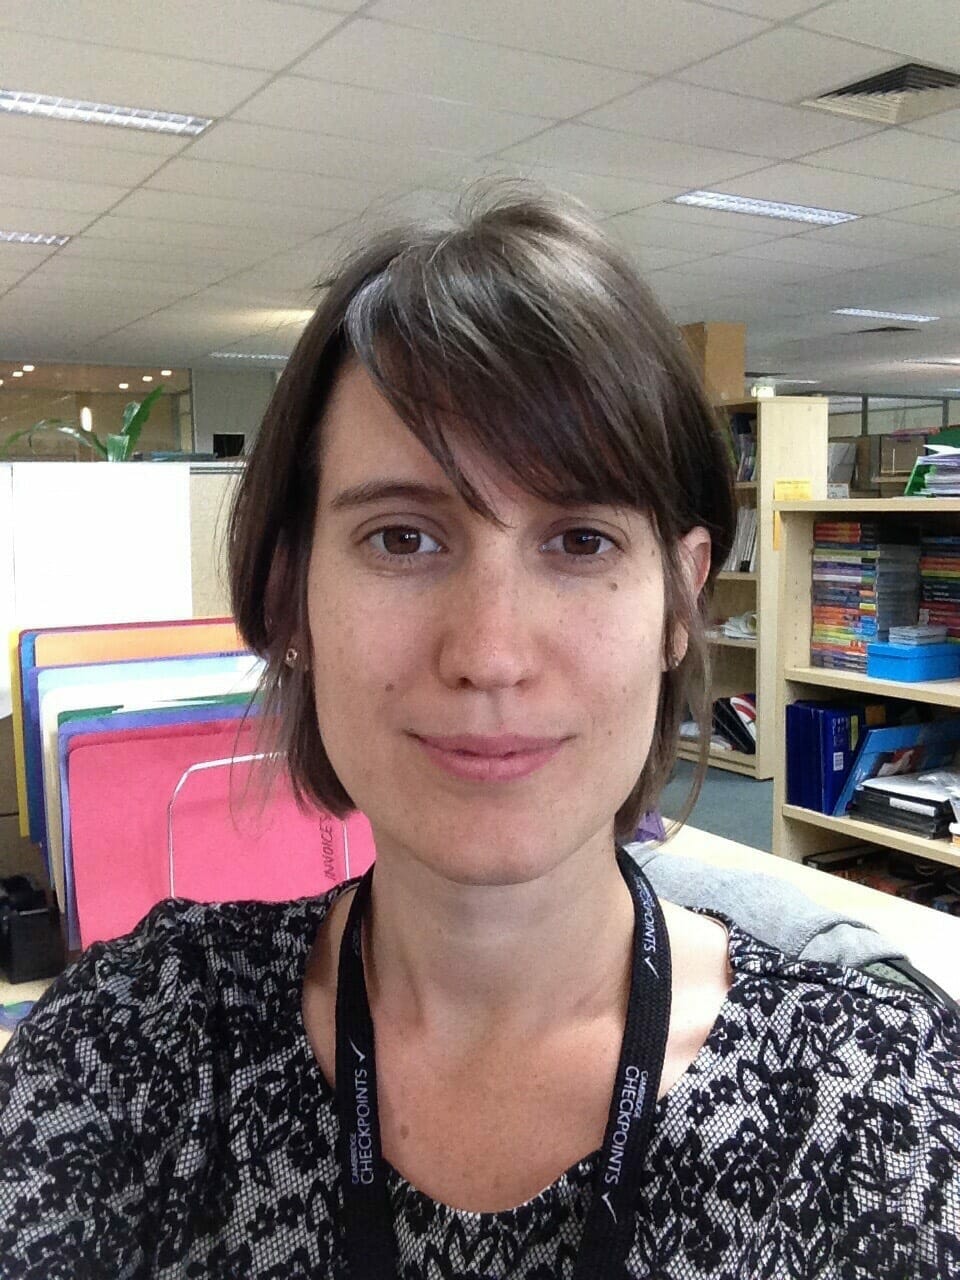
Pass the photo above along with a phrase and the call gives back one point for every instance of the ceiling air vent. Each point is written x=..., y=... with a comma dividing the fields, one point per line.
x=910, y=92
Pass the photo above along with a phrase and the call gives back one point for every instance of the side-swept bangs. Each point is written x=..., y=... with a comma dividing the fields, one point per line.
x=522, y=335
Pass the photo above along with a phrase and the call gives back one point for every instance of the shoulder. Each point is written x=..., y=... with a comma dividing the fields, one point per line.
x=155, y=988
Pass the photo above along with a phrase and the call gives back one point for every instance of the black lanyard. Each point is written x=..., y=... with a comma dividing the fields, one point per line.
x=608, y=1230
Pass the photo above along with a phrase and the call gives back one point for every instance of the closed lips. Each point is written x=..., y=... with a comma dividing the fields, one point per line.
x=500, y=746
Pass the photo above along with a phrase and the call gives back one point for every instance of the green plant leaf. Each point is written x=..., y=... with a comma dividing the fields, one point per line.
x=118, y=448
x=136, y=414
x=87, y=438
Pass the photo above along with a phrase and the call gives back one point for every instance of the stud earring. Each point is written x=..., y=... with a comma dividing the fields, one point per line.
x=292, y=656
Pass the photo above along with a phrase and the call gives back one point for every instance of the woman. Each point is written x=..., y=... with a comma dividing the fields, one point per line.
x=474, y=543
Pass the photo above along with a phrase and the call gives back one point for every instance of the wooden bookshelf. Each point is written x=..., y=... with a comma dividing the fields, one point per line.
x=798, y=831
x=791, y=436
x=732, y=761
x=734, y=642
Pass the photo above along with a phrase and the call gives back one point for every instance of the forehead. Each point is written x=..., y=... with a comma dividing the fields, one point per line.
x=362, y=437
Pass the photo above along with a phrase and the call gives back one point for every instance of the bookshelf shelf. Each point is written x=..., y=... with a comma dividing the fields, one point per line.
x=733, y=642
x=791, y=444
x=938, y=693
x=856, y=831
x=798, y=831
x=733, y=761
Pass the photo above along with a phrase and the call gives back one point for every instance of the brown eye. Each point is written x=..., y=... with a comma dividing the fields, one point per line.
x=400, y=541
x=580, y=542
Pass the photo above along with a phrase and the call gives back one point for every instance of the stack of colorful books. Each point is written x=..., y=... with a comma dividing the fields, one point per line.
x=862, y=585
x=940, y=583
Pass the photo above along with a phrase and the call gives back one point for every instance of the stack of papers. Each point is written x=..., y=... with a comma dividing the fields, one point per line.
x=937, y=474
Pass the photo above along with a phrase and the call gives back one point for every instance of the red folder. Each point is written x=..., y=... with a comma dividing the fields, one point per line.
x=230, y=840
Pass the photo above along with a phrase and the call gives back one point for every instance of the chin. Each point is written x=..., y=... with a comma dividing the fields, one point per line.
x=503, y=850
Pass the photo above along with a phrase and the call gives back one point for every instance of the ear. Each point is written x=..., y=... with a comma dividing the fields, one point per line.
x=693, y=554
x=694, y=551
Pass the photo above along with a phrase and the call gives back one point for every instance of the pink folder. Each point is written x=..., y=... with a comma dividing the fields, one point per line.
x=227, y=842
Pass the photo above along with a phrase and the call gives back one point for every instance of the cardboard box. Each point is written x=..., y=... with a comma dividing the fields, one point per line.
x=899, y=453
x=719, y=353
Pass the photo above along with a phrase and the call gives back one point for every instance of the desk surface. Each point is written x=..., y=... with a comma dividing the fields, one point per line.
x=930, y=938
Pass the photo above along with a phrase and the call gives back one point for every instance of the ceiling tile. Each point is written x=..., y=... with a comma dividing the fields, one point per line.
x=50, y=221
x=774, y=10
x=787, y=65
x=92, y=271
x=295, y=268
x=655, y=37
x=600, y=192
x=653, y=259
x=264, y=34
x=155, y=231
x=691, y=215
x=737, y=274
x=944, y=125
x=225, y=214
x=42, y=194
x=820, y=254
x=884, y=233
x=247, y=182
x=381, y=164
x=910, y=157
x=628, y=156
x=936, y=213
x=338, y=6
x=826, y=189
x=926, y=29
x=380, y=55
x=93, y=73
x=22, y=158
x=646, y=229
x=403, y=118
x=123, y=254
x=67, y=135
x=706, y=118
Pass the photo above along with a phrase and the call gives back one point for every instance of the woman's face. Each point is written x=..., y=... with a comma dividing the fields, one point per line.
x=427, y=622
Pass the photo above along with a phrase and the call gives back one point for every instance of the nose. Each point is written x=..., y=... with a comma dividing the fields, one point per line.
x=488, y=627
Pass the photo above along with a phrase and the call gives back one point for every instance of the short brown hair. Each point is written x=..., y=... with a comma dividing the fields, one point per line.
x=524, y=324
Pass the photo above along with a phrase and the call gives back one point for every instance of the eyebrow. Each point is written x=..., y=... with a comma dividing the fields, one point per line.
x=371, y=491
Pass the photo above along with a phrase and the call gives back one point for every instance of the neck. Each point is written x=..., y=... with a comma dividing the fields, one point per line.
x=475, y=961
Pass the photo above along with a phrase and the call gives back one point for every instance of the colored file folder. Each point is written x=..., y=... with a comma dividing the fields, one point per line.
x=126, y=684
x=108, y=642
x=71, y=724
x=227, y=844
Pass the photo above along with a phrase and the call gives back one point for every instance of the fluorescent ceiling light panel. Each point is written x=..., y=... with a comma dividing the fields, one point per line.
x=934, y=360
x=883, y=315
x=243, y=355
x=32, y=237
x=16, y=102
x=765, y=208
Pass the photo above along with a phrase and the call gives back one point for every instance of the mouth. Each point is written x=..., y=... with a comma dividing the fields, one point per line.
x=490, y=759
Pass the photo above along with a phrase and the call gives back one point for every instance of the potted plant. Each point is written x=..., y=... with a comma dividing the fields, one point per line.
x=113, y=448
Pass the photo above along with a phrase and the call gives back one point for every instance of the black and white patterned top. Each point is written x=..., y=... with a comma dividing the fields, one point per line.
x=162, y=1115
